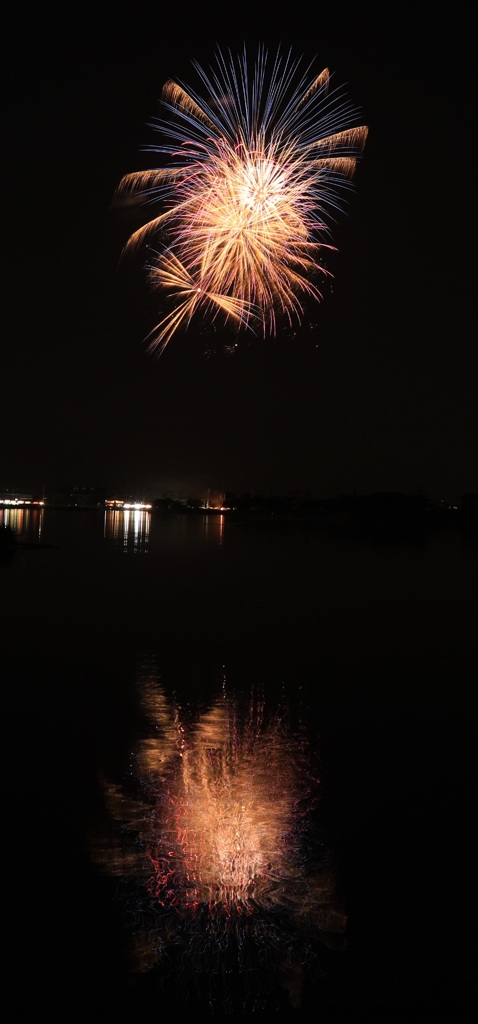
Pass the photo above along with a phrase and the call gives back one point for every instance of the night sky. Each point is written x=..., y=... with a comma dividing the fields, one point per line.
x=377, y=390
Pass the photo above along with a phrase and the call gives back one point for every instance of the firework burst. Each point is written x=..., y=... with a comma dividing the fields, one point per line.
x=255, y=170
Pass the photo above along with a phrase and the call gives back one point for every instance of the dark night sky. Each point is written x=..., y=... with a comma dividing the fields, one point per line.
x=380, y=395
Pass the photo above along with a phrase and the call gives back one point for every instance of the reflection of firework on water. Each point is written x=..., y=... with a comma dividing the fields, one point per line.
x=224, y=879
x=255, y=174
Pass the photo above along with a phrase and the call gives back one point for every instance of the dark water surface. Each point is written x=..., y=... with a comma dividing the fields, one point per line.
x=175, y=685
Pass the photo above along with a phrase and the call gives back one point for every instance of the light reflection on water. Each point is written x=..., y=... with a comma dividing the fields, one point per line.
x=131, y=527
x=24, y=521
x=370, y=650
x=227, y=884
x=127, y=530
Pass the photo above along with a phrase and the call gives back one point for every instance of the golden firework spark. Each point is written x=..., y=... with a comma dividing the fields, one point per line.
x=256, y=168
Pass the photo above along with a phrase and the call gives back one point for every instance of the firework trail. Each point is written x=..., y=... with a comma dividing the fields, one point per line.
x=225, y=886
x=255, y=172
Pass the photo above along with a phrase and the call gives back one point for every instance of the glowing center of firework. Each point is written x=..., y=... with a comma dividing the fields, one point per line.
x=263, y=186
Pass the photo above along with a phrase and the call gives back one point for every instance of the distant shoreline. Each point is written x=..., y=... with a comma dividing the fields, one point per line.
x=379, y=516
